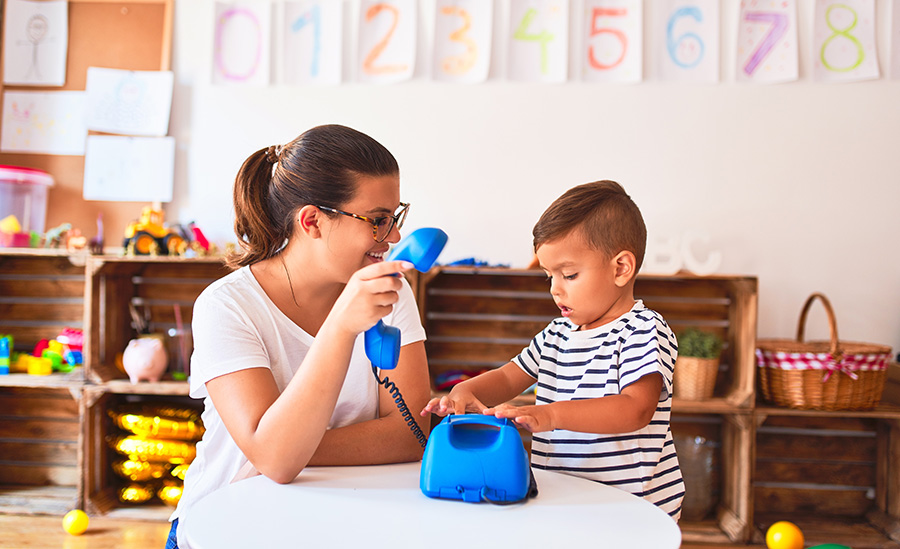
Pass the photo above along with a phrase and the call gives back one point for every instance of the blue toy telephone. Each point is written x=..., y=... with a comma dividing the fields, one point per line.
x=382, y=342
x=475, y=458
x=421, y=248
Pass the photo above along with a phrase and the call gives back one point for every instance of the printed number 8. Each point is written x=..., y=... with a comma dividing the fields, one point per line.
x=861, y=54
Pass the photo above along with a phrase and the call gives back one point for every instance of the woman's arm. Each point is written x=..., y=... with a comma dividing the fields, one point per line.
x=279, y=433
x=387, y=439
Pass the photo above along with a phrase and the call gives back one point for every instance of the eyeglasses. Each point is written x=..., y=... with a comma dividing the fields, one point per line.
x=381, y=226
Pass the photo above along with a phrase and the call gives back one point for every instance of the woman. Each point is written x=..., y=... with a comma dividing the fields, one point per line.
x=278, y=353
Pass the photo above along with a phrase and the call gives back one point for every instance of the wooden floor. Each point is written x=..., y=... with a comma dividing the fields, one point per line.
x=41, y=532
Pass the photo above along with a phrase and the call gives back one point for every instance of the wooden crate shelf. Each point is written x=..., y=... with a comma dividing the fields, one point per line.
x=155, y=286
x=41, y=444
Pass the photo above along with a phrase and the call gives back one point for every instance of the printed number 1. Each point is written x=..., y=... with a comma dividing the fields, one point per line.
x=543, y=38
x=369, y=63
x=596, y=13
x=779, y=23
x=314, y=17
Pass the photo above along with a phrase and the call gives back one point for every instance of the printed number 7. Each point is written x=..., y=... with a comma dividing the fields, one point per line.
x=779, y=23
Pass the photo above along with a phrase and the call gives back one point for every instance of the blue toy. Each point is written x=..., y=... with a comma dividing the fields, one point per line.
x=475, y=458
x=421, y=248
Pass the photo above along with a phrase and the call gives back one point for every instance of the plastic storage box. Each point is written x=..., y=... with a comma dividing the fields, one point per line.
x=23, y=194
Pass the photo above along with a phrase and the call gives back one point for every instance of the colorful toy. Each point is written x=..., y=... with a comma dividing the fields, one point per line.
x=145, y=359
x=5, y=349
x=39, y=366
x=784, y=535
x=56, y=236
x=75, y=522
x=149, y=236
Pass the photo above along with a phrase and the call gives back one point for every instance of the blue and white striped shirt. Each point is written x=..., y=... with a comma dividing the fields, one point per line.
x=569, y=364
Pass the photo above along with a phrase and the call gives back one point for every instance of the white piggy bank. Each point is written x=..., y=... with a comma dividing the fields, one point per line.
x=145, y=359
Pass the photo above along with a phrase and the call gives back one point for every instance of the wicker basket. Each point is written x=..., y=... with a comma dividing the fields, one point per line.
x=821, y=375
x=695, y=378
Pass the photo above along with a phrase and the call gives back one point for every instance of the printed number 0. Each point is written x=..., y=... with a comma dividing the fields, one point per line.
x=673, y=45
x=369, y=63
x=460, y=64
x=861, y=54
x=611, y=12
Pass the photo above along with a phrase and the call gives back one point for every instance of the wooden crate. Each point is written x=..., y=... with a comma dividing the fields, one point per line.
x=41, y=293
x=153, y=285
x=481, y=318
x=101, y=484
x=844, y=466
x=40, y=445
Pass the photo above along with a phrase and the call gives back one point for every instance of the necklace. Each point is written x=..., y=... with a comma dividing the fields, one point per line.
x=290, y=283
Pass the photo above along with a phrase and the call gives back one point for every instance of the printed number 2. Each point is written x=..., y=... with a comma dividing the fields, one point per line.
x=314, y=17
x=543, y=38
x=460, y=64
x=596, y=13
x=779, y=22
x=683, y=41
x=369, y=63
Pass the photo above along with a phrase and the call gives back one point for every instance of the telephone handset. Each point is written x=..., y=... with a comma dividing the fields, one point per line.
x=382, y=342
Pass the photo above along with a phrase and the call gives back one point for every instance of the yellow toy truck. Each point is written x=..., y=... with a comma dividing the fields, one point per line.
x=149, y=236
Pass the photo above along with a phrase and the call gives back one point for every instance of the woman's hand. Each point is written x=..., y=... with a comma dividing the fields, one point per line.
x=369, y=295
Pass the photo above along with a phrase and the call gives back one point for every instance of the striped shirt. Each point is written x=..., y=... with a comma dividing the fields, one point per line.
x=576, y=365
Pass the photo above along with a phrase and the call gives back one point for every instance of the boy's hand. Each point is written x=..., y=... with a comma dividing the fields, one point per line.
x=458, y=403
x=536, y=419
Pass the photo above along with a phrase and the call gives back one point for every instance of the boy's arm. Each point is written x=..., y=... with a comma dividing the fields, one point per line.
x=491, y=388
x=628, y=411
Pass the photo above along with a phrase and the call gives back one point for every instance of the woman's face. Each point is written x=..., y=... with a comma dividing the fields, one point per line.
x=350, y=241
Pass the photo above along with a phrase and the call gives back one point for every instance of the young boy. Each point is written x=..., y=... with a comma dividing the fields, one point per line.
x=603, y=370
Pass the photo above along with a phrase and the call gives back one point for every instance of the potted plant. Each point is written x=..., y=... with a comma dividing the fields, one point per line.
x=697, y=364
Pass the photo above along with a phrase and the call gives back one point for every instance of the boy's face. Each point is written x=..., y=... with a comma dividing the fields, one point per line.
x=589, y=288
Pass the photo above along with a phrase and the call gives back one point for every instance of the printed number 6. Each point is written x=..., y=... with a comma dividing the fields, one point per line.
x=683, y=41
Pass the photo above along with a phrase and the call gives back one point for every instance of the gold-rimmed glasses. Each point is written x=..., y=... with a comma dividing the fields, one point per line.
x=381, y=225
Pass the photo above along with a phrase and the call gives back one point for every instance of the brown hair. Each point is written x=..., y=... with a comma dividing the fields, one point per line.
x=319, y=167
x=603, y=211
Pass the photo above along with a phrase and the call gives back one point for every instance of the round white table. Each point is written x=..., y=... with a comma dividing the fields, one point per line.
x=382, y=506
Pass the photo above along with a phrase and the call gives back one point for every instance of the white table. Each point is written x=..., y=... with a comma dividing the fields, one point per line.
x=382, y=506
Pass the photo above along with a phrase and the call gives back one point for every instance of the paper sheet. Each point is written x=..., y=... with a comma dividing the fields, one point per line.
x=241, y=51
x=767, y=42
x=129, y=102
x=612, y=47
x=844, y=41
x=387, y=40
x=687, y=34
x=44, y=122
x=462, y=40
x=35, y=42
x=313, y=37
x=137, y=169
x=539, y=41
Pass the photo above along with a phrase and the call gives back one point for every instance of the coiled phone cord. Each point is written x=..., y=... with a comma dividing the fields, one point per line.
x=401, y=405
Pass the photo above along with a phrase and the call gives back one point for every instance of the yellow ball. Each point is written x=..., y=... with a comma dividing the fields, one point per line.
x=75, y=522
x=784, y=535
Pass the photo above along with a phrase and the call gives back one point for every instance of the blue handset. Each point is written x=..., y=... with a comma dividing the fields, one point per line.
x=421, y=248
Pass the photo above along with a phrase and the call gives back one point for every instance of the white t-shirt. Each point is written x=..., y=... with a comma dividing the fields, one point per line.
x=236, y=326
x=571, y=364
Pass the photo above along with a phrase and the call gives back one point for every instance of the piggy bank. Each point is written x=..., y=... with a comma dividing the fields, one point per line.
x=145, y=359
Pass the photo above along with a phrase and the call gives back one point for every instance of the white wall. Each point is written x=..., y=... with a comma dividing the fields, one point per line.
x=796, y=183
